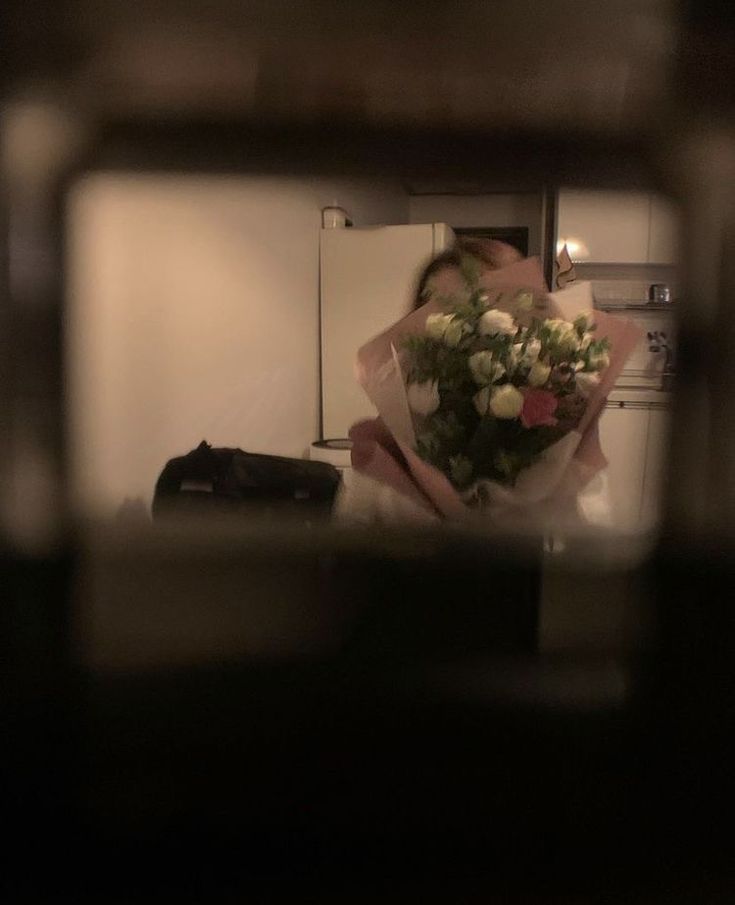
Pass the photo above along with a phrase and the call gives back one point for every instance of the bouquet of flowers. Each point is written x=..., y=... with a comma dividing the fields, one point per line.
x=489, y=395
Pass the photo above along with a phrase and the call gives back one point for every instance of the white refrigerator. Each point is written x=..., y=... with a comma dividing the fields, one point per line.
x=368, y=277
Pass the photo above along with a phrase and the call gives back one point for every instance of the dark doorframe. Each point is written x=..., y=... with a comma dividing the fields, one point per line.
x=549, y=217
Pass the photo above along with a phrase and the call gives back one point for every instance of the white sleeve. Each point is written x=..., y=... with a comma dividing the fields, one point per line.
x=364, y=501
x=593, y=501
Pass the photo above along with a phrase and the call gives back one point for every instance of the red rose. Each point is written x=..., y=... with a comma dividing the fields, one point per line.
x=538, y=408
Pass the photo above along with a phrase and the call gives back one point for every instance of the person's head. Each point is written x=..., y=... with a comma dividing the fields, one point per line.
x=490, y=253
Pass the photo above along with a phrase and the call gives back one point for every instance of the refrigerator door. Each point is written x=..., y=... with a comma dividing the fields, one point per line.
x=368, y=277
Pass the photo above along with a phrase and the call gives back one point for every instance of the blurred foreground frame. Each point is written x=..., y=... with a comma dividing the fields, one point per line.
x=433, y=745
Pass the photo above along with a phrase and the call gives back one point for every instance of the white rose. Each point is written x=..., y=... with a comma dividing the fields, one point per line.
x=485, y=369
x=585, y=341
x=453, y=333
x=599, y=362
x=506, y=401
x=563, y=334
x=539, y=374
x=423, y=398
x=482, y=400
x=436, y=324
x=494, y=321
x=446, y=327
x=515, y=356
x=533, y=350
x=586, y=382
x=568, y=342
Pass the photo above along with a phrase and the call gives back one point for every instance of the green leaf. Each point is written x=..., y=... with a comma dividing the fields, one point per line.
x=524, y=300
x=460, y=470
x=470, y=269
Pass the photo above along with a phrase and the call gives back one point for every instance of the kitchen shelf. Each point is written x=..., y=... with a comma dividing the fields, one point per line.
x=631, y=305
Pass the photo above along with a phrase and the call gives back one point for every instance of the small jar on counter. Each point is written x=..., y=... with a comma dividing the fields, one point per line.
x=659, y=293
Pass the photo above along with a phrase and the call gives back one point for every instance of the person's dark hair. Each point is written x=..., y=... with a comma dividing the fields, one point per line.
x=491, y=253
x=452, y=257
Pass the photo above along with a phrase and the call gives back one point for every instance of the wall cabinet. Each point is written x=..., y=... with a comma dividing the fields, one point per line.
x=617, y=227
x=655, y=469
x=623, y=437
x=664, y=232
x=604, y=227
x=633, y=438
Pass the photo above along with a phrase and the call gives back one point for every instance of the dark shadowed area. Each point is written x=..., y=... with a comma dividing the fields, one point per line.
x=267, y=704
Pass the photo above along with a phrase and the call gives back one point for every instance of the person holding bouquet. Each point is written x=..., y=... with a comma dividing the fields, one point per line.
x=489, y=394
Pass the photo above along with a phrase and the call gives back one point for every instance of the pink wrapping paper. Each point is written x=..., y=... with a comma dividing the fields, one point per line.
x=383, y=448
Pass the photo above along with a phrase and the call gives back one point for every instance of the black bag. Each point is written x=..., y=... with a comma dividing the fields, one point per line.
x=230, y=481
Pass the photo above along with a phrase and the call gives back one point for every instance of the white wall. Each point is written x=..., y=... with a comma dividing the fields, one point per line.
x=193, y=314
x=522, y=209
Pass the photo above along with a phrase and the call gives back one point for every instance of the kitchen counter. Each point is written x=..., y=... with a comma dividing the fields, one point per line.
x=625, y=396
x=611, y=305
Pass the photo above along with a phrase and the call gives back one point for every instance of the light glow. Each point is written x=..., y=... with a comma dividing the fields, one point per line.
x=577, y=249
